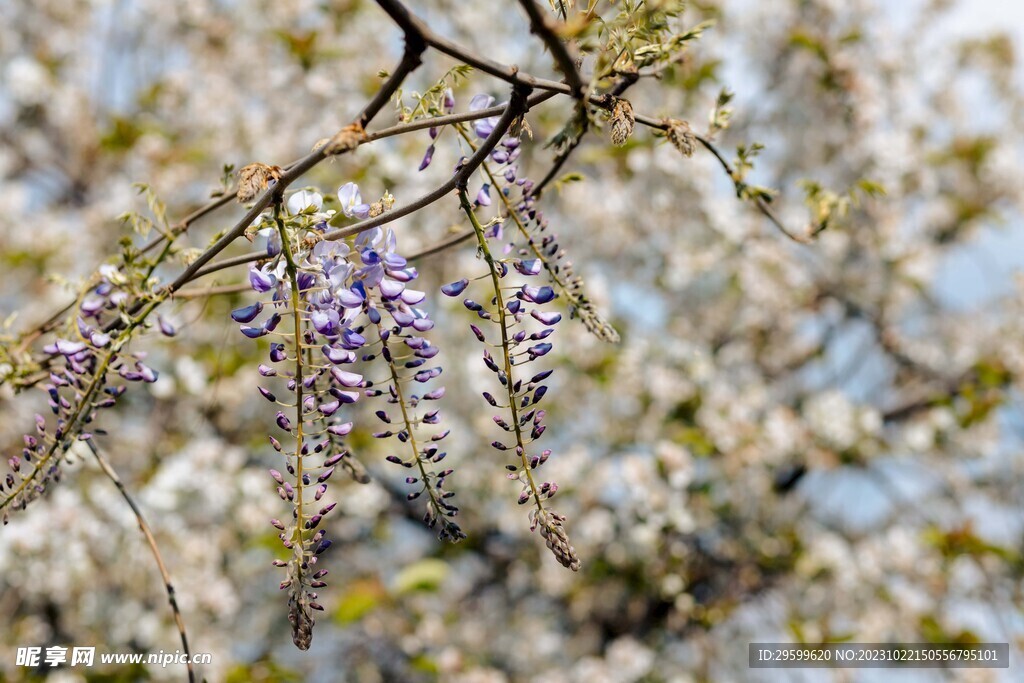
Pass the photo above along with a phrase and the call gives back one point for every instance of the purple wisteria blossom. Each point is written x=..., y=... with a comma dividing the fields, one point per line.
x=321, y=299
x=87, y=372
x=483, y=127
x=352, y=202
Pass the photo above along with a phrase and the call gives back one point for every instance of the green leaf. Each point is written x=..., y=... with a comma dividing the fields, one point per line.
x=427, y=575
x=569, y=178
x=361, y=598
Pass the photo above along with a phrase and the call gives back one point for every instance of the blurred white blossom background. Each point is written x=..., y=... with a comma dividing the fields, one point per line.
x=790, y=442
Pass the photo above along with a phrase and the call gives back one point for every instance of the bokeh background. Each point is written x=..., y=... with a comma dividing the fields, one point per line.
x=790, y=442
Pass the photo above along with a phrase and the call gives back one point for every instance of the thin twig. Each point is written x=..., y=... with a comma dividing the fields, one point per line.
x=151, y=541
x=759, y=202
x=441, y=246
x=518, y=105
x=390, y=216
x=202, y=292
x=542, y=27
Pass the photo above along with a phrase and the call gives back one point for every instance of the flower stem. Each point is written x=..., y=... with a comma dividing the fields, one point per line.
x=293, y=276
x=509, y=381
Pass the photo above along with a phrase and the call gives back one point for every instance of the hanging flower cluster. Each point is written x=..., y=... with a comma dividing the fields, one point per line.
x=87, y=373
x=518, y=329
x=537, y=242
x=323, y=297
x=530, y=237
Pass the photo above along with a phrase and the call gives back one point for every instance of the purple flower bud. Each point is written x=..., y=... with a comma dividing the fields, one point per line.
x=428, y=157
x=455, y=288
x=92, y=305
x=352, y=340
x=252, y=332
x=334, y=459
x=346, y=379
x=165, y=327
x=404, y=275
x=413, y=297
x=64, y=347
x=331, y=408
x=283, y=422
x=428, y=352
x=483, y=197
x=531, y=267
x=427, y=375
x=548, y=318
x=338, y=356
x=278, y=478
x=350, y=298
x=391, y=289
x=434, y=395
x=538, y=350
x=340, y=430
x=345, y=396
x=149, y=375
x=261, y=281
x=402, y=319
x=537, y=295
x=325, y=322
x=541, y=376
x=272, y=322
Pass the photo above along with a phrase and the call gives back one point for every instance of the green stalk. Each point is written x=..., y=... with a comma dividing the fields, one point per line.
x=298, y=546
x=509, y=381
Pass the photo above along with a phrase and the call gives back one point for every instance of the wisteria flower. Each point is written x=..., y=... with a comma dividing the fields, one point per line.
x=261, y=279
x=302, y=200
x=483, y=127
x=379, y=256
x=352, y=202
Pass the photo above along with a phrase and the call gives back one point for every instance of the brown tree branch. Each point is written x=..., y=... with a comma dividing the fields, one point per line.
x=544, y=28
